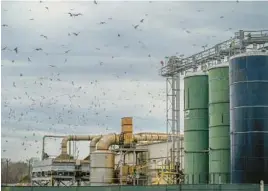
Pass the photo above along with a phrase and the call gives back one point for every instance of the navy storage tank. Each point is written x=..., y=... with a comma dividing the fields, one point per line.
x=249, y=117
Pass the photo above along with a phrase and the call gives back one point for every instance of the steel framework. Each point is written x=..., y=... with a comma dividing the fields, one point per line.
x=175, y=67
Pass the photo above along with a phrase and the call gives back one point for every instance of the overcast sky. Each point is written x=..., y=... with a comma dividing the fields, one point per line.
x=111, y=70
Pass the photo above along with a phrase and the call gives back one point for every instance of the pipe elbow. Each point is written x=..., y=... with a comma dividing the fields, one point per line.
x=94, y=142
x=107, y=140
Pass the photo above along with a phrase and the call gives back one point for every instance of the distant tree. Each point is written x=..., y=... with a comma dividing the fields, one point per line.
x=16, y=171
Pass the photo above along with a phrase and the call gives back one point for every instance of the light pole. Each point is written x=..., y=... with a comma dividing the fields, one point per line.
x=7, y=161
x=29, y=169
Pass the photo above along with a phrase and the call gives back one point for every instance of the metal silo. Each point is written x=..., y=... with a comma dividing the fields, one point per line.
x=219, y=124
x=196, y=128
x=249, y=117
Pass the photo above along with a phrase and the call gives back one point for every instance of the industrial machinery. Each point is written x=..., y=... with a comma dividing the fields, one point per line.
x=249, y=117
x=102, y=160
x=196, y=128
x=54, y=172
x=99, y=168
x=219, y=115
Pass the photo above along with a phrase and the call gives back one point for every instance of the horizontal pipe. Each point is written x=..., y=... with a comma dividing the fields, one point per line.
x=74, y=138
x=69, y=161
x=107, y=140
x=151, y=137
x=151, y=133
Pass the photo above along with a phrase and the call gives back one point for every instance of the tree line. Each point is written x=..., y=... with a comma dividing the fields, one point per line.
x=13, y=172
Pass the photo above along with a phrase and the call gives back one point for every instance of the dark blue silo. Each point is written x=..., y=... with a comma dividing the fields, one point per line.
x=249, y=117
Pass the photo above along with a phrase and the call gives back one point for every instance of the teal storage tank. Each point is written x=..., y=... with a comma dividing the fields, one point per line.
x=219, y=124
x=196, y=128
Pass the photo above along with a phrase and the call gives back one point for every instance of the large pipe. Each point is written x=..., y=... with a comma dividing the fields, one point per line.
x=43, y=143
x=107, y=140
x=150, y=137
x=70, y=161
x=94, y=142
x=151, y=133
x=74, y=138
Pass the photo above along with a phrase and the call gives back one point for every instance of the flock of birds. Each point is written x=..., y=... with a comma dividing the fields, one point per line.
x=52, y=108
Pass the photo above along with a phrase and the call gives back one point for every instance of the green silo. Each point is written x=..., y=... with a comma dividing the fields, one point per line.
x=219, y=136
x=196, y=128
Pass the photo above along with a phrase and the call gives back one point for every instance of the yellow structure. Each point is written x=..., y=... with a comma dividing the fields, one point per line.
x=127, y=130
x=166, y=175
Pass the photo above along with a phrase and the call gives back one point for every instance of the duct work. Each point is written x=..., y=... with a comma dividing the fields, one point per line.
x=65, y=140
x=107, y=140
x=94, y=142
x=45, y=155
x=102, y=160
x=150, y=137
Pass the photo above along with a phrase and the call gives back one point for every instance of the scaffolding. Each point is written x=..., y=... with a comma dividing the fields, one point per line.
x=174, y=67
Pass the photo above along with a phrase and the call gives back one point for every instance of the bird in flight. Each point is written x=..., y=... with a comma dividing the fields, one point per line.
x=43, y=36
x=16, y=50
x=47, y=8
x=76, y=34
x=38, y=49
x=74, y=14
x=4, y=48
x=4, y=25
x=95, y=2
x=135, y=26
x=67, y=51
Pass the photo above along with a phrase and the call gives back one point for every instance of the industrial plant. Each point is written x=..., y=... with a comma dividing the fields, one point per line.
x=224, y=139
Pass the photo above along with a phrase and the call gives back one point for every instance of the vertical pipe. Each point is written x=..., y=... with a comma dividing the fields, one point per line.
x=73, y=150
x=167, y=110
x=173, y=106
x=121, y=166
x=43, y=148
x=70, y=146
x=134, y=164
x=178, y=121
